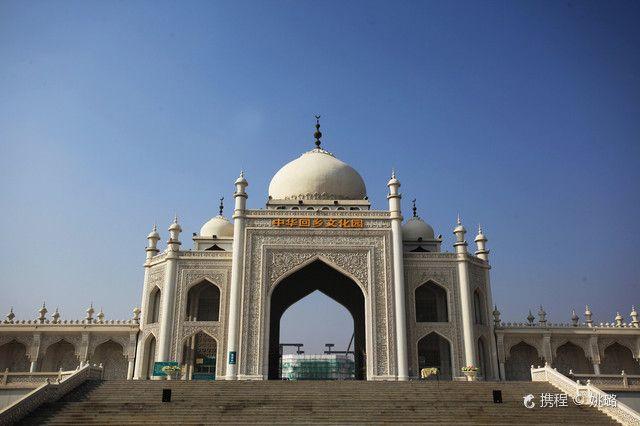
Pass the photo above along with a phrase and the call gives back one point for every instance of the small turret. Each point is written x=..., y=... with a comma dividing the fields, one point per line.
x=136, y=315
x=634, y=317
x=542, y=316
x=90, y=312
x=101, y=317
x=496, y=316
x=587, y=316
x=43, y=312
x=174, y=235
x=618, y=319
x=152, y=238
x=481, y=241
x=55, y=318
x=459, y=231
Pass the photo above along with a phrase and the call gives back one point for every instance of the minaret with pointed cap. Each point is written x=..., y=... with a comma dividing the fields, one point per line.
x=167, y=300
x=395, y=211
x=466, y=305
x=240, y=197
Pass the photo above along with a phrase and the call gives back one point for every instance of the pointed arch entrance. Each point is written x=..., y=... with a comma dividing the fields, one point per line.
x=317, y=276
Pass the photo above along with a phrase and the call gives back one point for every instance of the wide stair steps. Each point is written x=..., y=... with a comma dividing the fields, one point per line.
x=339, y=402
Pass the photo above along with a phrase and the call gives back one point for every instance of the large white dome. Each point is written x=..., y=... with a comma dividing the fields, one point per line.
x=317, y=175
x=218, y=226
x=416, y=229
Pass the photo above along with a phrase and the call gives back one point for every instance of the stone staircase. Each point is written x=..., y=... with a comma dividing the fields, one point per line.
x=337, y=402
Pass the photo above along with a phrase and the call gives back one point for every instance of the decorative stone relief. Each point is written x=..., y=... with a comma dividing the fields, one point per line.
x=444, y=274
x=364, y=254
x=191, y=273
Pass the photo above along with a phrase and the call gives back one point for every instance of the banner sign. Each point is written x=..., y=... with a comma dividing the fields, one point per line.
x=306, y=222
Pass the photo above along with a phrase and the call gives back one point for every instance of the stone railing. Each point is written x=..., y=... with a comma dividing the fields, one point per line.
x=48, y=392
x=623, y=380
x=584, y=394
x=15, y=379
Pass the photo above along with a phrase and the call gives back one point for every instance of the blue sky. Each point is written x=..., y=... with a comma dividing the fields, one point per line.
x=522, y=116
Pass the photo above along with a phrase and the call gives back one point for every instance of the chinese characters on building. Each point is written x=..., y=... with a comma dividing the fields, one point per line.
x=317, y=223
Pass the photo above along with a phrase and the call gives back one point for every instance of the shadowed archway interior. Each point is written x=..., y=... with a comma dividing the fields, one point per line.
x=339, y=287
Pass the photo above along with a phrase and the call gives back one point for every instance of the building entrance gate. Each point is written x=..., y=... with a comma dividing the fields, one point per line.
x=317, y=276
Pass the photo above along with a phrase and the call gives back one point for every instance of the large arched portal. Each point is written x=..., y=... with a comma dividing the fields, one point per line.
x=317, y=276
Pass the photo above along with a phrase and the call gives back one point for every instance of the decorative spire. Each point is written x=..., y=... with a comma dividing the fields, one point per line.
x=56, y=316
x=175, y=218
x=634, y=317
x=10, y=316
x=574, y=318
x=221, y=206
x=393, y=173
x=136, y=315
x=415, y=210
x=43, y=311
x=101, y=316
x=155, y=227
x=543, y=316
x=618, y=319
x=530, y=317
x=90, y=312
x=317, y=133
x=587, y=316
x=479, y=229
x=459, y=221
x=496, y=315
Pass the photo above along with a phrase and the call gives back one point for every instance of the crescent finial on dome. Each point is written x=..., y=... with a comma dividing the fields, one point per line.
x=317, y=133
x=415, y=209
x=221, y=205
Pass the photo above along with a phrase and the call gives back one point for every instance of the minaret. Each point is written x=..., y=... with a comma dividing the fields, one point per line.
x=169, y=292
x=465, y=297
x=394, y=198
x=240, y=197
x=151, y=251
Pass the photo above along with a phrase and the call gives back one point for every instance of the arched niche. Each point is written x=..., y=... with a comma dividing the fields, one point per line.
x=431, y=303
x=435, y=351
x=519, y=361
x=483, y=358
x=13, y=356
x=479, y=309
x=200, y=356
x=153, y=306
x=617, y=358
x=570, y=356
x=203, y=302
x=110, y=355
x=149, y=356
x=60, y=355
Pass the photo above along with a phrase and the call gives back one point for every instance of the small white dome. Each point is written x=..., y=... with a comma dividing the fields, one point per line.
x=317, y=175
x=416, y=229
x=218, y=226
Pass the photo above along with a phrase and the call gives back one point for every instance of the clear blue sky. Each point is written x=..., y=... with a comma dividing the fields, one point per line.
x=520, y=115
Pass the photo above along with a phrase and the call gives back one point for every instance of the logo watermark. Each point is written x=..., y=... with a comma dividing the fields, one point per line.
x=556, y=400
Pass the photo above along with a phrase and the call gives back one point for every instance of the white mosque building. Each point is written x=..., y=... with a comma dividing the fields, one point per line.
x=215, y=308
